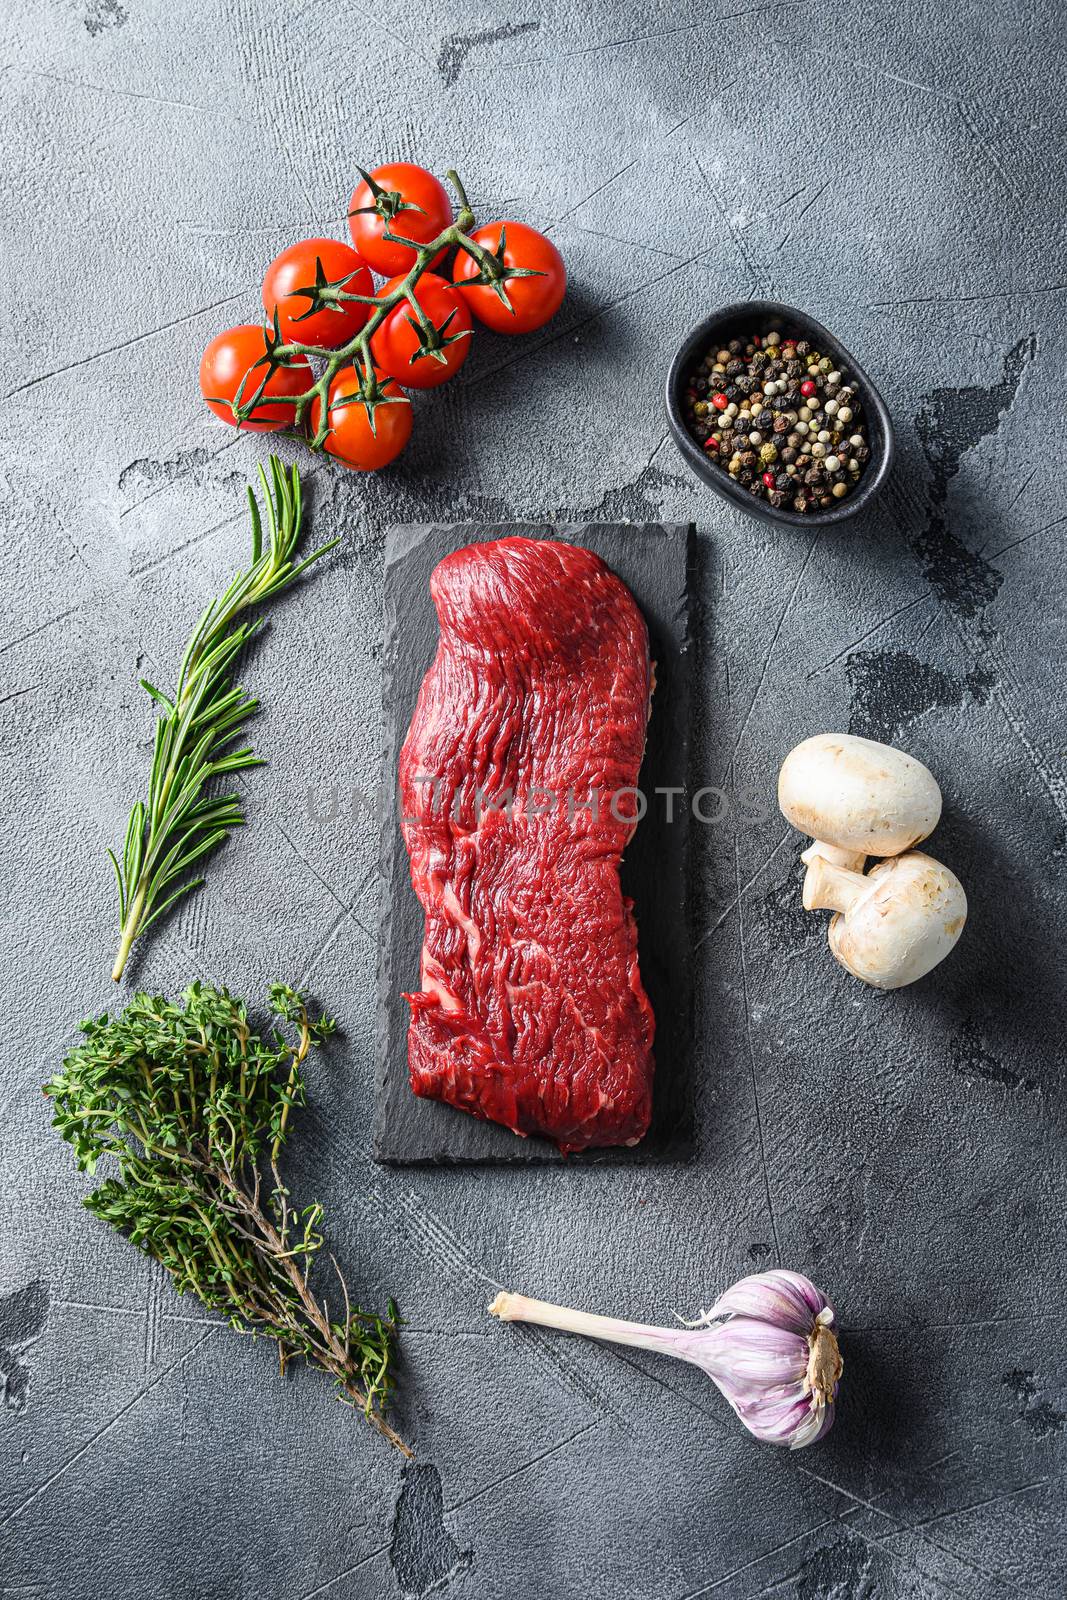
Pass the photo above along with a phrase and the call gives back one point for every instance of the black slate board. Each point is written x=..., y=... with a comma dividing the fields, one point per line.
x=654, y=560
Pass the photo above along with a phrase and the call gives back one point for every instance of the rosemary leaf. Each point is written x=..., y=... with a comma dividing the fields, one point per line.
x=178, y=825
x=193, y=1107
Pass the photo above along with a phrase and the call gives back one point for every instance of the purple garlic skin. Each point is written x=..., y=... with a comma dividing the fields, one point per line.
x=775, y=1357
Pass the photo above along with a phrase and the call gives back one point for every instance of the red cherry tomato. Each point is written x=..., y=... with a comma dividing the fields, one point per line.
x=399, y=346
x=402, y=199
x=302, y=266
x=351, y=438
x=230, y=360
x=518, y=248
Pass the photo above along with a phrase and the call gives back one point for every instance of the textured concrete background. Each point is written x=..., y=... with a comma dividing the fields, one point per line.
x=896, y=170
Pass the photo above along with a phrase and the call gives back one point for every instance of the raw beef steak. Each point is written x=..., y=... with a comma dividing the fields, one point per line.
x=516, y=780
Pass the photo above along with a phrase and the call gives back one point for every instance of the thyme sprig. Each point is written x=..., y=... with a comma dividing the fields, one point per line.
x=357, y=352
x=194, y=1107
x=183, y=819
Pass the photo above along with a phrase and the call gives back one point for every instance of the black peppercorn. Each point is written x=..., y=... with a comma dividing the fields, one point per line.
x=782, y=469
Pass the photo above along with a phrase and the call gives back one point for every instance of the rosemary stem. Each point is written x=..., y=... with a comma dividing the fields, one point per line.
x=130, y=929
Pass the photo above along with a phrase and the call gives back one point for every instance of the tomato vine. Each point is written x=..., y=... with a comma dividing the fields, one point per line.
x=283, y=355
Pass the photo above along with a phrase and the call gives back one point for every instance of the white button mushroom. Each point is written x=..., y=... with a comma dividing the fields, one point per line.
x=857, y=798
x=893, y=925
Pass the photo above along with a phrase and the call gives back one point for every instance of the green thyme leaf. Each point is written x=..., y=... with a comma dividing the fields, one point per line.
x=192, y=1106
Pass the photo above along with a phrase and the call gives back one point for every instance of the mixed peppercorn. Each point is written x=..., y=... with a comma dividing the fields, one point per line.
x=779, y=417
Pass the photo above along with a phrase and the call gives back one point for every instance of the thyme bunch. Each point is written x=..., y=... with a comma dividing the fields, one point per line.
x=193, y=1106
x=183, y=820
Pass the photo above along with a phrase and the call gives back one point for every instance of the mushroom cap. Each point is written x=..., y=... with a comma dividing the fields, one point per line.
x=858, y=795
x=905, y=921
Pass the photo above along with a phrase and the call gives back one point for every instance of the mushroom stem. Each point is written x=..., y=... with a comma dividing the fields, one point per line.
x=907, y=918
x=851, y=860
x=831, y=888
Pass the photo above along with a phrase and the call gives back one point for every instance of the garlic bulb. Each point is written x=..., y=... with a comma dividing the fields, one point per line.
x=769, y=1344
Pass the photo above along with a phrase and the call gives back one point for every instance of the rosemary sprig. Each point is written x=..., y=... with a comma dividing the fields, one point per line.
x=193, y=1106
x=183, y=820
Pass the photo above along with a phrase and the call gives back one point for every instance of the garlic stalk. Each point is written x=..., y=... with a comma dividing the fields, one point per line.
x=769, y=1344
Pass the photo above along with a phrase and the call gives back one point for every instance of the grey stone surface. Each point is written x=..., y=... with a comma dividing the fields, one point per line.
x=895, y=169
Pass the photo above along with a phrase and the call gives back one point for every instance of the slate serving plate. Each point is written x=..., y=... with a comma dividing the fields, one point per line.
x=654, y=560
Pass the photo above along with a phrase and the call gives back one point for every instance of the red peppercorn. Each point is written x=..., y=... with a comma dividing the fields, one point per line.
x=768, y=478
x=807, y=387
x=720, y=402
x=711, y=444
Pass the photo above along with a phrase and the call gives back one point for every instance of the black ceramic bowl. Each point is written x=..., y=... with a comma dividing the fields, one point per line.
x=765, y=316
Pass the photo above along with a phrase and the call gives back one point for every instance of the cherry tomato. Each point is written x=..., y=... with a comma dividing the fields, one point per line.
x=399, y=345
x=533, y=299
x=351, y=438
x=397, y=198
x=230, y=359
x=303, y=266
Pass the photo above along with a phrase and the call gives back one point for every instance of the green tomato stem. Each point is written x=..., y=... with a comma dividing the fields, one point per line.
x=357, y=352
